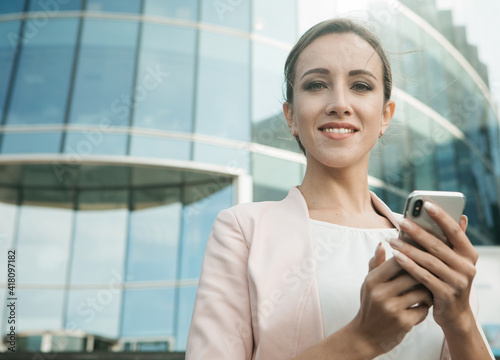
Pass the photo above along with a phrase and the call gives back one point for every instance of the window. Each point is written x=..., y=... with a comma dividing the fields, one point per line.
x=41, y=87
x=222, y=107
x=266, y=21
x=41, y=310
x=95, y=311
x=129, y=6
x=7, y=7
x=100, y=233
x=44, y=235
x=28, y=143
x=9, y=34
x=177, y=9
x=227, y=13
x=148, y=312
x=51, y=7
x=165, y=81
x=202, y=204
x=154, y=235
x=103, y=84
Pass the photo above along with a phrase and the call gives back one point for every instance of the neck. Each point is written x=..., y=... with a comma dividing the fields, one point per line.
x=342, y=190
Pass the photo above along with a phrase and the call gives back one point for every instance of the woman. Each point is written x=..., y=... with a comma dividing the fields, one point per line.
x=281, y=280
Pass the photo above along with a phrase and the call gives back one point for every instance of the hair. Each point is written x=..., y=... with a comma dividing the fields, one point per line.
x=335, y=26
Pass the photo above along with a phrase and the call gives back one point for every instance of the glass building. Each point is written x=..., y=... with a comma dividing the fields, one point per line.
x=126, y=126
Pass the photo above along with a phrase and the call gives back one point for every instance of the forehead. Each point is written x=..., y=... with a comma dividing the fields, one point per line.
x=339, y=52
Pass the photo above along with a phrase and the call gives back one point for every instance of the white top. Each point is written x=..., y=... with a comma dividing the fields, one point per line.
x=342, y=260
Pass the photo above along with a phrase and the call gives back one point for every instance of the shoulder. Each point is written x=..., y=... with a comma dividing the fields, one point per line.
x=293, y=202
x=267, y=216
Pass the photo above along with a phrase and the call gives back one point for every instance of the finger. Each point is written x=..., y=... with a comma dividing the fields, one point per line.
x=431, y=260
x=422, y=275
x=453, y=231
x=401, y=284
x=420, y=295
x=418, y=313
x=385, y=272
x=427, y=241
x=378, y=258
x=464, y=221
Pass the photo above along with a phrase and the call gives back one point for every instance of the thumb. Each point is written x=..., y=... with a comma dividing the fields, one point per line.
x=378, y=258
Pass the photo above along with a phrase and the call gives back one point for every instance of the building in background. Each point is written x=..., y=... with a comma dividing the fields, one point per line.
x=126, y=126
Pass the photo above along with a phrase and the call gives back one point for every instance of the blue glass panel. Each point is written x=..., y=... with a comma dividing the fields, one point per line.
x=95, y=142
x=154, y=235
x=39, y=310
x=44, y=74
x=103, y=85
x=163, y=148
x=266, y=21
x=148, y=312
x=165, y=86
x=51, y=7
x=31, y=143
x=9, y=33
x=222, y=107
x=229, y=158
x=184, y=314
x=177, y=9
x=95, y=311
x=198, y=218
x=100, y=237
x=43, y=239
x=11, y=6
x=268, y=123
x=446, y=166
x=227, y=13
x=129, y=6
x=276, y=174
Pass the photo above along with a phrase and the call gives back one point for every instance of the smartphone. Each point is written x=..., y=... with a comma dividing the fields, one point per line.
x=451, y=202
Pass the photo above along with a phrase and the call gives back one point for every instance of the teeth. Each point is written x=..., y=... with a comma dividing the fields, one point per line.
x=339, y=130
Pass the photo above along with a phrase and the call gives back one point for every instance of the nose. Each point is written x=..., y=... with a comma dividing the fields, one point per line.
x=338, y=103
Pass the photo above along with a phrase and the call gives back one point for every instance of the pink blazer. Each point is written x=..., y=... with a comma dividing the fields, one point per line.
x=257, y=296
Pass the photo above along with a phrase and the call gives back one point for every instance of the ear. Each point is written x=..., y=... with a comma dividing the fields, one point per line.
x=288, y=112
x=387, y=115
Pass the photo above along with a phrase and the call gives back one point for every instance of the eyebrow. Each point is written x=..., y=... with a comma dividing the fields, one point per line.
x=326, y=72
x=361, y=72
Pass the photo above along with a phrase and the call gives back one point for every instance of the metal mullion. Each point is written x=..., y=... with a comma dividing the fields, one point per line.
x=195, y=78
x=14, y=70
x=74, y=70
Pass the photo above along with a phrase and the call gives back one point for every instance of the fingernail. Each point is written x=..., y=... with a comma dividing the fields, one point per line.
x=400, y=256
x=466, y=221
x=430, y=208
x=397, y=243
x=404, y=224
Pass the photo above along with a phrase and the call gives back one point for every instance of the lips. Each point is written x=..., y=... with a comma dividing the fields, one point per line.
x=338, y=128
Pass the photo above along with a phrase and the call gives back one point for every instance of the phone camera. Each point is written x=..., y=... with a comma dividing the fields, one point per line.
x=417, y=208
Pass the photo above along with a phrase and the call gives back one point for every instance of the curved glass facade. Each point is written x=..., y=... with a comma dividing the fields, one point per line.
x=126, y=126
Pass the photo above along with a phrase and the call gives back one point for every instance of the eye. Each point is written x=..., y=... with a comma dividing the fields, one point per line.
x=315, y=85
x=361, y=87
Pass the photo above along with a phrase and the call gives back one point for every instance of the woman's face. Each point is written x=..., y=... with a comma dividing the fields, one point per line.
x=338, y=105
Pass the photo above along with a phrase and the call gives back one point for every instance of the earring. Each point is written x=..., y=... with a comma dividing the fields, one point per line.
x=380, y=134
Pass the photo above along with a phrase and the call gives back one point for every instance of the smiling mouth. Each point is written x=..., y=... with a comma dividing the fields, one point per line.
x=338, y=130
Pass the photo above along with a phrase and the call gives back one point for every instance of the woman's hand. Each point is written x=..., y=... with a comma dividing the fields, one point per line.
x=446, y=272
x=392, y=303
